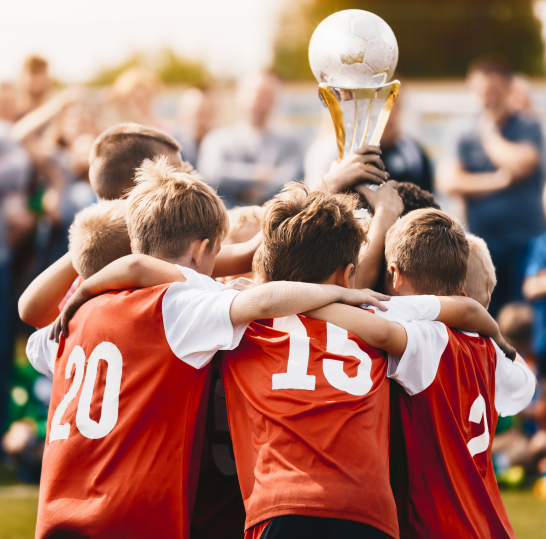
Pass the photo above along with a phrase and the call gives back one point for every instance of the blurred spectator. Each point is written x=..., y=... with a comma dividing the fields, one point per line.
x=15, y=169
x=58, y=135
x=250, y=161
x=521, y=96
x=8, y=103
x=534, y=289
x=495, y=169
x=34, y=85
x=405, y=159
x=134, y=93
x=197, y=114
x=322, y=151
x=519, y=442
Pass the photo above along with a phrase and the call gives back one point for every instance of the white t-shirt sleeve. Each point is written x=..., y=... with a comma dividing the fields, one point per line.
x=41, y=351
x=418, y=366
x=514, y=385
x=197, y=323
x=408, y=308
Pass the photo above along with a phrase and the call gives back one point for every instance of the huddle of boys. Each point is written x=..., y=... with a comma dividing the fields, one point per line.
x=308, y=395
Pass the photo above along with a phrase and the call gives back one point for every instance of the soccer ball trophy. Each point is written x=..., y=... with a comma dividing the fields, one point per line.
x=353, y=53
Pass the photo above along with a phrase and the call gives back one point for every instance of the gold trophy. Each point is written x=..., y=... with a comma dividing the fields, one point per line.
x=353, y=53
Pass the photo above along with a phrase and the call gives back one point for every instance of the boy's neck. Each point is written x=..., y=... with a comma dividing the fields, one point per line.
x=184, y=261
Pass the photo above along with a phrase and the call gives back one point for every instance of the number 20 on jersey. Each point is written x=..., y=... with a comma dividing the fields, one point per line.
x=110, y=404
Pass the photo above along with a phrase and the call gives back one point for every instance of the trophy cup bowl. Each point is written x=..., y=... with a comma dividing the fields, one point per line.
x=353, y=53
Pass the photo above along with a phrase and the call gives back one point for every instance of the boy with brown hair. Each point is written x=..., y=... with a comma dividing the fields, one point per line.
x=319, y=395
x=452, y=387
x=138, y=364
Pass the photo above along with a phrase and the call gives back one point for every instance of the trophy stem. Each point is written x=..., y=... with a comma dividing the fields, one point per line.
x=359, y=114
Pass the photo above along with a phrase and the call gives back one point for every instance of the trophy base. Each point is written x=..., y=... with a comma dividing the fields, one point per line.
x=359, y=114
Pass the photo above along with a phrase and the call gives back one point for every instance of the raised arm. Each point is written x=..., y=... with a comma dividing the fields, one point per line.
x=363, y=165
x=38, y=305
x=387, y=206
x=236, y=259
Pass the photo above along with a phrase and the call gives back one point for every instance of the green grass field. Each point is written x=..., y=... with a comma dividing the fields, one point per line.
x=18, y=506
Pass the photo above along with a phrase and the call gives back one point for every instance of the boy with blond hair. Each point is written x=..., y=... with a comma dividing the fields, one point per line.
x=98, y=236
x=244, y=223
x=451, y=388
x=307, y=401
x=480, y=277
x=129, y=377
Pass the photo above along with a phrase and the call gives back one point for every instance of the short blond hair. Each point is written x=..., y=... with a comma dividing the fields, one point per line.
x=98, y=236
x=431, y=250
x=133, y=78
x=480, y=275
x=35, y=64
x=308, y=234
x=244, y=217
x=169, y=209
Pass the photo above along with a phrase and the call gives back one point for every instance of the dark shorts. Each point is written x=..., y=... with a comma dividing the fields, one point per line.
x=304, y=527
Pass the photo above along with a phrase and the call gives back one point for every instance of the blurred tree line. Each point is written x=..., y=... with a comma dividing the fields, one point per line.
x=171, y=69
x=437, y=38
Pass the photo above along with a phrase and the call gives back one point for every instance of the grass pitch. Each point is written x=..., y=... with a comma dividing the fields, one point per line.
x=18, y=506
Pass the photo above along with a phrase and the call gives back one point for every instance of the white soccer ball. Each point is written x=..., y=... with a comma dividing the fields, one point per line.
x=353, y=49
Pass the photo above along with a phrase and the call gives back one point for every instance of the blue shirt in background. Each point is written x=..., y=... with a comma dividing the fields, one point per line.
x=515, y=214
x=536, y=263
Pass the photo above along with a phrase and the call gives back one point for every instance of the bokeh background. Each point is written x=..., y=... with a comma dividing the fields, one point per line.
x=68, y=70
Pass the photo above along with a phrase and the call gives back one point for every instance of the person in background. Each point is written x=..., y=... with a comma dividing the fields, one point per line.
x=34, y=85
x=534, y=290
x=495, y=169
x=59, y=135
x=133, y=95
x=405, y=159
x=521, y=96
x=8, y=105
x=250, y=161
x=197, y=114
x=15, y=168
x=520, y=446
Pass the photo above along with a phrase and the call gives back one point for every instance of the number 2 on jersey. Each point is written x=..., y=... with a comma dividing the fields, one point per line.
x=338, y=343
x=480, y=443
x=110, y=402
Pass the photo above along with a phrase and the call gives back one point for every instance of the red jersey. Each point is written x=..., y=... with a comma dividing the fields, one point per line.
x=308, y=407
x=122, y=454
x=444, y=409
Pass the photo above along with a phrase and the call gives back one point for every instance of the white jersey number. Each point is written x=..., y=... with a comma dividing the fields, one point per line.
x=480, y=443
x=337, y=342
x=110, y=403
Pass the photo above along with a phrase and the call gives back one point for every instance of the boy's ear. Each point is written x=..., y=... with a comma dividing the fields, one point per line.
x=344, y=275
x=396, y=276
x=199, y=249
x=463, y=293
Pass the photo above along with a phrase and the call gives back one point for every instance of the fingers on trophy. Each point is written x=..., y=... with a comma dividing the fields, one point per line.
x=353, y=54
